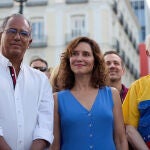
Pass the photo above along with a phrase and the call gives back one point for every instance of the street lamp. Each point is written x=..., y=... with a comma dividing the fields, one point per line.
x=21, y=5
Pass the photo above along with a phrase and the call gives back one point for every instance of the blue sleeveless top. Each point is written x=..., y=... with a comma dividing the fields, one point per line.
x=82, y=129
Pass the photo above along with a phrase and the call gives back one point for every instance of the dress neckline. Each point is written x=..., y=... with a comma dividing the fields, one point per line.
x=80, y=104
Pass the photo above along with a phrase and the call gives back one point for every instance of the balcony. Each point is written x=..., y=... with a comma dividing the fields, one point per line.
x=114, y=7
x=116, y=45
x=6, y=3
x=32, y=3
x=126, y=29
x=39, y=41
x=127, y=61
x=137, y=50
x=135, y=73
x=134, y=44
x=121, y=19
x=73, y=35
x=122, y=54
x=131, y=68
x=76, y=1
x=130, y=37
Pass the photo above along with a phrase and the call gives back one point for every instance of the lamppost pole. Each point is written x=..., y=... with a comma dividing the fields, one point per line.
x=21, y=5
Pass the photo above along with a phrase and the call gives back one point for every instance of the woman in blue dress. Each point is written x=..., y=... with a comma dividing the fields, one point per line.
x=87, y=113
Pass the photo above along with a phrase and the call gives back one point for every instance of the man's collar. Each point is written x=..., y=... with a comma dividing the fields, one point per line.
x=5, y=61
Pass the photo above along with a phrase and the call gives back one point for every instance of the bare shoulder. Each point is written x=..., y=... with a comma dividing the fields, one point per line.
x=55, y=97
x=115, y=94
x=55, y=94
x=114, y=90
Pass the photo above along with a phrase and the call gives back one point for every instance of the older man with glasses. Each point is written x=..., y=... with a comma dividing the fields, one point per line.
x=26, y=100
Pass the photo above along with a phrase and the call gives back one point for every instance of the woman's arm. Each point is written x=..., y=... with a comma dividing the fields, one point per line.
x=119, y=129
x=56, y=143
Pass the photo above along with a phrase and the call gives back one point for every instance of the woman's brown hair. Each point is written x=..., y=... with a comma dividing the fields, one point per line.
x=66, y=78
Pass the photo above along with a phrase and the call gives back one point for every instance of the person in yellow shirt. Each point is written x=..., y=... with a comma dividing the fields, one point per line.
x=136, y=111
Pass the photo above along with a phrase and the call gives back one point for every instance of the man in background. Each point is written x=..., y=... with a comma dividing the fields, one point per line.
x=40, y=64
x=116, y=70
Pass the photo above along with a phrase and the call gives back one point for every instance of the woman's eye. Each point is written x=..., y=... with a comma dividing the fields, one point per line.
x=86, y=54
x=74, y=53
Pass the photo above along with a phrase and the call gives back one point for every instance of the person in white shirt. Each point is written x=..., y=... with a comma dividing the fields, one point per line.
x=26, y=100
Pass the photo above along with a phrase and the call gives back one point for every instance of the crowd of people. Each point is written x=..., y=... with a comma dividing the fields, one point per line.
x=82, y=104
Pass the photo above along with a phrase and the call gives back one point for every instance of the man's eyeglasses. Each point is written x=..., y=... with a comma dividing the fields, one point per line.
x=42, y=69
x=13, y=32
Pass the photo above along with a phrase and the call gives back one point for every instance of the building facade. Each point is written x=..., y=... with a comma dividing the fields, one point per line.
x=139, y=10
x=111, y=23
x=142, y=11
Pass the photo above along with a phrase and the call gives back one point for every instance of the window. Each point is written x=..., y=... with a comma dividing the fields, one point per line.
x=77, y=25
x=6, y=3
x=141, y=4
x=115, y=7
x=36, y=2
x=139, y=9
x=76, y=1
x=38, y=34
x=142, y=33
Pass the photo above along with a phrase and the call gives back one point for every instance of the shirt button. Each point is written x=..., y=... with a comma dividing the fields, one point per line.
x=91, y=147
x=89, y=114
x=90, y=125
x=91, y=135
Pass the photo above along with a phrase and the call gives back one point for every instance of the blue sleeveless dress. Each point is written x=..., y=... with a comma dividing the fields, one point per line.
x=82, y=129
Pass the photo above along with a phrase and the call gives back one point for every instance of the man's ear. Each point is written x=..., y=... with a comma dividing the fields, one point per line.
x=123, y=70
x=147, y=44
x=30, y=41
x=0, y=36
x=147, y=52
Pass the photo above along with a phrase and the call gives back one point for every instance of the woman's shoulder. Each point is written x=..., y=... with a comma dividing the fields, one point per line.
x=105, y=89
x=62, y=92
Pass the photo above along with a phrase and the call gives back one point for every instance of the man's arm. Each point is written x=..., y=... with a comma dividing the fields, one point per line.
x=39, y=144
x=3, y=144
x=43, y=132
x=135, y=138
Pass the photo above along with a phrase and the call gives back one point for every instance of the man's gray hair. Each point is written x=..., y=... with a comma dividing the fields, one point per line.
x=4, y=23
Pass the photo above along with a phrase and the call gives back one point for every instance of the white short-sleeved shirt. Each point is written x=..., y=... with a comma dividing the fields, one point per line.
x=26, y=113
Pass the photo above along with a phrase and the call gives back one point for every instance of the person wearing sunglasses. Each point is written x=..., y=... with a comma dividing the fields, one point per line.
x=26, y=100
x=40, y=64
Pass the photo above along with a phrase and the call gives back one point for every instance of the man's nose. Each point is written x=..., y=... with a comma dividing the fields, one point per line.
x=111, y=65
x=17, y=35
